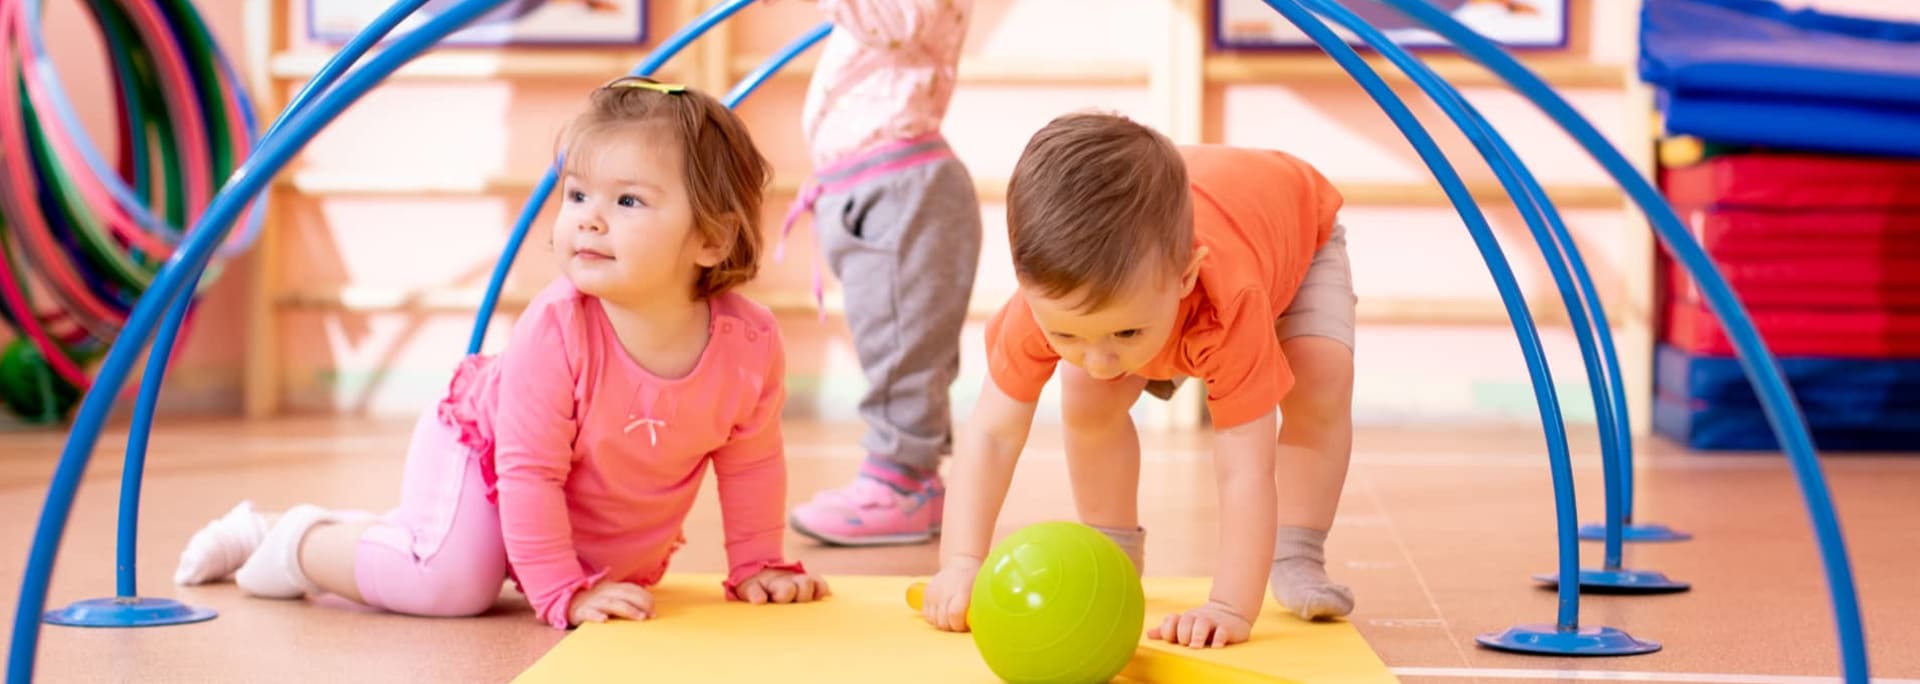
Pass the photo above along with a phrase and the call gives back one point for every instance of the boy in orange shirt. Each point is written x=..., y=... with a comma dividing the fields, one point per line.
x=1142, y=264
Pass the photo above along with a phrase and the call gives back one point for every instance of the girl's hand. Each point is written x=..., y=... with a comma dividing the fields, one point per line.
x=1210, y=625
x=610, y=600
x=945, y=603
x=782, y=586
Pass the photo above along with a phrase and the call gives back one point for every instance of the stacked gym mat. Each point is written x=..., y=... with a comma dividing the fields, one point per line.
x=1793, y=150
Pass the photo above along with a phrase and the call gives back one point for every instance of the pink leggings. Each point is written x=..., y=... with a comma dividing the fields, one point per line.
x=440, y=554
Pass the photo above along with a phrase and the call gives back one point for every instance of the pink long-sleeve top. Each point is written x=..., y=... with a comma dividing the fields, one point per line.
x=595, y=462
x=886, y=74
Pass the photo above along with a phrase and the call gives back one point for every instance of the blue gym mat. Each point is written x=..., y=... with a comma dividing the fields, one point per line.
x=1757, y=47
x=1706, y=402
x=1793, y=124
x=1705, y=427
x=1751, y=72
x=1837, y=385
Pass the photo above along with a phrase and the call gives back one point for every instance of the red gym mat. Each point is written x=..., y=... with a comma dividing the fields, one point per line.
x=1743, y=233
x=1765, y=296
x=1789, y=181
x=1843, y=334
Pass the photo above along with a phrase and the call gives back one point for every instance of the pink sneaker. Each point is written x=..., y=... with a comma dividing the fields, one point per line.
x=871, y=513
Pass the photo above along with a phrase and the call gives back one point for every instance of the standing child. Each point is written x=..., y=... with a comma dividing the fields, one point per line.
x=1142, y=264
x=570, y=461
x=899, y=224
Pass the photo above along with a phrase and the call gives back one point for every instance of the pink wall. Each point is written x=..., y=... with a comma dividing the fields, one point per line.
x=467, y=131
x=394, y=362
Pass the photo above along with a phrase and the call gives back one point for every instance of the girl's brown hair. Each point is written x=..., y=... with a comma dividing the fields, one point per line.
x=726, y=175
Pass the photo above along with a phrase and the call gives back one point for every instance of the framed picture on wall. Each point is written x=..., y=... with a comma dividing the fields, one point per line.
x=517, y=22
x=1522, y=24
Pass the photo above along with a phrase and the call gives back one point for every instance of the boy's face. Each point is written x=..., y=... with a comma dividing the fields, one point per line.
x=1124, y=334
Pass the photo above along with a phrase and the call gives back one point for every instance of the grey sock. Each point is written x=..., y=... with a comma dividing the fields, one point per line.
x=1133, y=541
x=1299, y=575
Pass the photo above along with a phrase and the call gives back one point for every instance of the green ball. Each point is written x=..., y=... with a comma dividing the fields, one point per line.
x=27, y=382
x=1057, y=602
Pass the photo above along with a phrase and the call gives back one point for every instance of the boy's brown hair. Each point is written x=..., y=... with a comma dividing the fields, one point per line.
x=1093, y=198
x=727, y=175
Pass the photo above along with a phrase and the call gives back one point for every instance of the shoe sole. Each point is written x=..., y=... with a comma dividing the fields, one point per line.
x=872, y=540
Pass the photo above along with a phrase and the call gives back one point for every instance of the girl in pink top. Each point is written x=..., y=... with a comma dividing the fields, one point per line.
x=569, y=462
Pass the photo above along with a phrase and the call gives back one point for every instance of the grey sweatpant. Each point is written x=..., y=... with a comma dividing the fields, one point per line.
x=905, y=246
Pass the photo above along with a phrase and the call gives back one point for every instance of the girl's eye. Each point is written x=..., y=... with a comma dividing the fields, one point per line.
x=629, y=201
x=576, y=196
x=1128, y=334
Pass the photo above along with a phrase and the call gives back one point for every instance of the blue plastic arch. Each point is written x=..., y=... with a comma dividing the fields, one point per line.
x=1769, y=383
x=1569, y=272
x=316, y=105
x=1504, y=281
x=185, y=266
x=141, y=429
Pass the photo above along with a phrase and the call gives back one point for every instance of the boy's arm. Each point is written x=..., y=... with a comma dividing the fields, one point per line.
x=1243, y=470
x=986, y=449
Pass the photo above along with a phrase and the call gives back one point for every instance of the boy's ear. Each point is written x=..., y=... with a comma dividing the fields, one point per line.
x=1191, y=276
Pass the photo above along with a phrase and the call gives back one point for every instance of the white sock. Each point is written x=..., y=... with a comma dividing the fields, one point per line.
x=221, y=547
x=273, y=571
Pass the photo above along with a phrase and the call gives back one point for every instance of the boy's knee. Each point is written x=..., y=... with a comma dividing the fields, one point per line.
x=1089, y=404
x=1092, y=414
x=1319, y=401
x=1323, y=378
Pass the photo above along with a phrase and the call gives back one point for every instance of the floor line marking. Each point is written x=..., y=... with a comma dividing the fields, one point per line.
x=1626, y=676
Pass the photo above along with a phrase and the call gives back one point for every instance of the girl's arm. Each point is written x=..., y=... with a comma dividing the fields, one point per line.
x=752, y=474
x=534, y=434
x=892, y=23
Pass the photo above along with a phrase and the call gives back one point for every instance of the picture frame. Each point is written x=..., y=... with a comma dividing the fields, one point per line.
x=533, y=23
x=1251, y=25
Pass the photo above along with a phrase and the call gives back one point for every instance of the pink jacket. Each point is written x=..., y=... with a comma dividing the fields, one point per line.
x=886, y=74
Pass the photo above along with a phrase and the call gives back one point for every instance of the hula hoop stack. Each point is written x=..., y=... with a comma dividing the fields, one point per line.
x=82, y=237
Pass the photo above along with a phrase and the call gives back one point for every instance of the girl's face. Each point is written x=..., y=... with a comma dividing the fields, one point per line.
x=625, y=232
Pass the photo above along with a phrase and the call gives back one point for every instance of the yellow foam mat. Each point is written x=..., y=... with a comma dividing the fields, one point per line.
x=866, y=633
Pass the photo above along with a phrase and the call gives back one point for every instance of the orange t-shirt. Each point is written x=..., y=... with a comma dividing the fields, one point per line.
x=1261, y=214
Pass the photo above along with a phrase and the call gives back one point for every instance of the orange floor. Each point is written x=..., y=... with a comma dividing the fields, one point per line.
x=1438, y=535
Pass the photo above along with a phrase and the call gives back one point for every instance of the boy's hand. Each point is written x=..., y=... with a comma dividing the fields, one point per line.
x=610, y=600
x=782, y=586
x=1212, y=625
x=947, y=596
